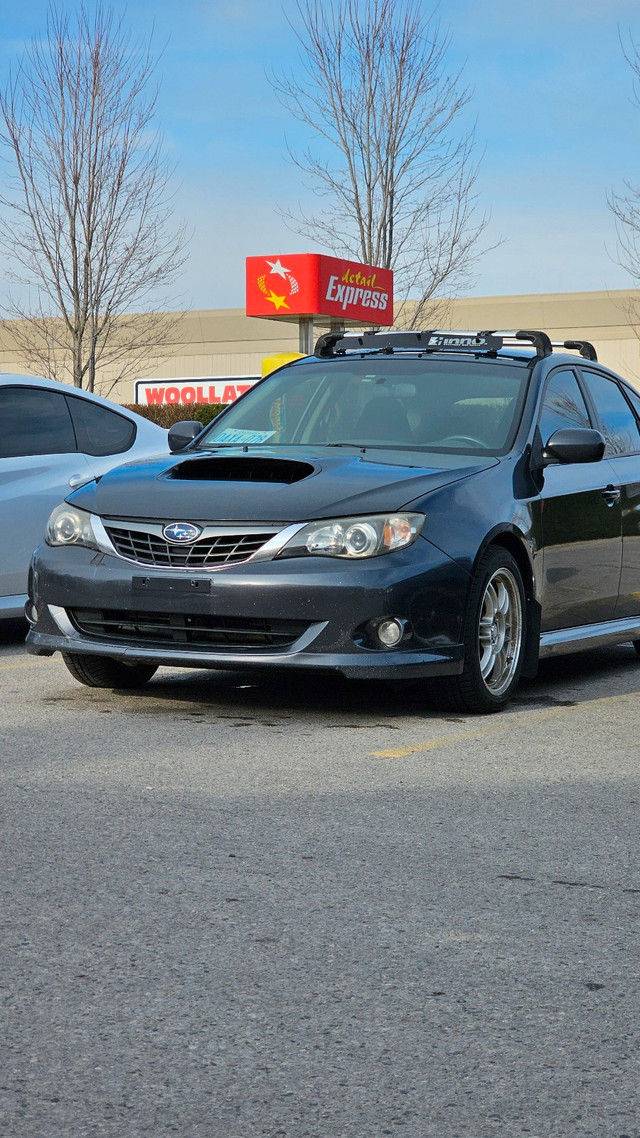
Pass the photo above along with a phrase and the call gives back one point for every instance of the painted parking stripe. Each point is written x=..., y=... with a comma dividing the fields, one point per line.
x=505, y=724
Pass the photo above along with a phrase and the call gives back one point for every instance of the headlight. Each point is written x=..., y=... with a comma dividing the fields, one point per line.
x=70, y=526
x=355, y=537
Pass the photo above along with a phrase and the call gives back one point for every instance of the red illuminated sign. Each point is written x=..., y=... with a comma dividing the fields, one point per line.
x=314, y=285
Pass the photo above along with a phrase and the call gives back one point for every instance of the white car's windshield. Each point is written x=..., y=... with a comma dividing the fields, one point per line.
x=426, y=404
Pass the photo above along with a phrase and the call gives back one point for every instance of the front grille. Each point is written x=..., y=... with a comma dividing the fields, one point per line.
x=148, y=548
x=228, y=632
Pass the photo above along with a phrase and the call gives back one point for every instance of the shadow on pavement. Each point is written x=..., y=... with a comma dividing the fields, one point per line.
x=13, y=631
x=564, y=681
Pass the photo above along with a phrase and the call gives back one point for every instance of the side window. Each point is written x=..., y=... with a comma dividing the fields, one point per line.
x=633, y=398
x=34, y=421
x=618, y=421
x=563, y=405
x=99, y=429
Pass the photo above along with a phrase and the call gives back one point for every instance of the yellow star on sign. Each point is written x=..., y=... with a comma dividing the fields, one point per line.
x=277, y=301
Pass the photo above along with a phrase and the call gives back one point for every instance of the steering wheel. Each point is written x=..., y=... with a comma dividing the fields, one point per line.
x=464, y=439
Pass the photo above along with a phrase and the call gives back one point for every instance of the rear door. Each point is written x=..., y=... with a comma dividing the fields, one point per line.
x=39, y=465
x=618, y=422
x=581, y=520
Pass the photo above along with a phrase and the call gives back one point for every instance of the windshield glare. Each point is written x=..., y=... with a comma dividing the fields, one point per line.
x=433, y=405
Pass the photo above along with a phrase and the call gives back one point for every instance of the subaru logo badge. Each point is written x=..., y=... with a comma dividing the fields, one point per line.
x=181, y=532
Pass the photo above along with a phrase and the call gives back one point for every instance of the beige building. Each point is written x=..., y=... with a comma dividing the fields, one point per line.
x=224, y=343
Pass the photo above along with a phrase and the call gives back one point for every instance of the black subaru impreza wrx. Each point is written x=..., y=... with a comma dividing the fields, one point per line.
x=453, y=506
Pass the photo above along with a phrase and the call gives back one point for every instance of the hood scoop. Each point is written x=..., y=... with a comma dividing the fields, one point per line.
x=233, y=468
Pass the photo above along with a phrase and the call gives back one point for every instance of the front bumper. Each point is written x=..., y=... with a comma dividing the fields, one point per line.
x=331, y=603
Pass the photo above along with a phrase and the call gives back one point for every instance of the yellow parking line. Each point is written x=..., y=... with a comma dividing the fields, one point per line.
x=27, y=664
x=506, y=722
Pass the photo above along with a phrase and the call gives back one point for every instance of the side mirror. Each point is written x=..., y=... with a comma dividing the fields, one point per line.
x=181, y=434
x=574, y=444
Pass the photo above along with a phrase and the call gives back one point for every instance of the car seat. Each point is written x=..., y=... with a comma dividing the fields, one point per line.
x=385, y=419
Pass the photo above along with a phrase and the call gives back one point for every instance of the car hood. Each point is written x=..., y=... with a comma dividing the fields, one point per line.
x=272, y=485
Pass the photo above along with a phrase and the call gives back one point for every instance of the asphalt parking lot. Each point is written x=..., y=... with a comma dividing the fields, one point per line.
x=240, y=908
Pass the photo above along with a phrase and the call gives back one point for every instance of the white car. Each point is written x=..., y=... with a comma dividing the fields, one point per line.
x=54, y=438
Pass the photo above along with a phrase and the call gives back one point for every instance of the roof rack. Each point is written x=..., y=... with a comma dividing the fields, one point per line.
x=583, y=346
x=385, y=340
x=490, y=342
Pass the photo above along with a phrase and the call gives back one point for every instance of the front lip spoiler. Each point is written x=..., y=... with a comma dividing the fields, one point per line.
x=363, y=664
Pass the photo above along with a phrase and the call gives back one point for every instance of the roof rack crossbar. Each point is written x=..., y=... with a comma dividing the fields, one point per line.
x=540, y=341
x=325, y=344
x=386, y=340
x=587, y=350
x=490, y=341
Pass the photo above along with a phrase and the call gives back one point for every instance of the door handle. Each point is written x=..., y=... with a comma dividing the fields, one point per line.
x=611, y=495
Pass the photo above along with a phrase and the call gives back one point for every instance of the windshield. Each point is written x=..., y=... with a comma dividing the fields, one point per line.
x=444, y=405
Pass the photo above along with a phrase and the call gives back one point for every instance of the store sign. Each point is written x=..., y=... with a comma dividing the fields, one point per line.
x=313, y=285
x=220, y=390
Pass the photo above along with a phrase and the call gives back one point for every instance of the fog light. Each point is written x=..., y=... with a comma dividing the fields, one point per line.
x=31, y=612
x=390, y=631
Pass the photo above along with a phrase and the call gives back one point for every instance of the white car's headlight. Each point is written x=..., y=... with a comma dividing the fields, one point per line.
x=357, y=537
x=70, y=526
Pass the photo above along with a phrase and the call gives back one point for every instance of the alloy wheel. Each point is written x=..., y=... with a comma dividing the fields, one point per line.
x=500, y=631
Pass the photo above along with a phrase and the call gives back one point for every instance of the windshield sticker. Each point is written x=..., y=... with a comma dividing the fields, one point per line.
x=231, y=436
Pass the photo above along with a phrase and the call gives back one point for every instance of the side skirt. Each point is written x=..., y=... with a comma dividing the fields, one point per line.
x=566, y=640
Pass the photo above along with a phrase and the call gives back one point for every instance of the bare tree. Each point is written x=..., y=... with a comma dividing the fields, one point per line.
x=87, y=228
x=397, y=175
x=625, y=205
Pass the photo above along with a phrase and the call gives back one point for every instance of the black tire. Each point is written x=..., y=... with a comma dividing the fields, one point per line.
x=494, y=636
x=103, y=672
x=636, y=645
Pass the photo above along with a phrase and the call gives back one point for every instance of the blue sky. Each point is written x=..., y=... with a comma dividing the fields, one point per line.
x=552, y=100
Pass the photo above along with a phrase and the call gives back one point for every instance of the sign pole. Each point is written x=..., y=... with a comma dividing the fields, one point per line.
x=305, y=335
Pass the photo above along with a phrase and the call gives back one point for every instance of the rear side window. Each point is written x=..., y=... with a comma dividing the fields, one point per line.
x=634, y=399
x=100, y=430
x=618, y=421
x=34, y=421
x=563, y=405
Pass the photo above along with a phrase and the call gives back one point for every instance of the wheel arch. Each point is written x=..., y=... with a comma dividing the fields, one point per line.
x=515, y=544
